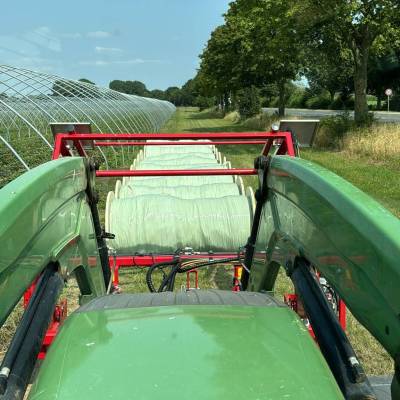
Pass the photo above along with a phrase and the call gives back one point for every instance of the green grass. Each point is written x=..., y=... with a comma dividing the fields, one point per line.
x=378, y=179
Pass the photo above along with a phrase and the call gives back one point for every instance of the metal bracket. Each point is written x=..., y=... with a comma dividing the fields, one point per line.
x=93, y=199
x=107, y=235
x=262, y=164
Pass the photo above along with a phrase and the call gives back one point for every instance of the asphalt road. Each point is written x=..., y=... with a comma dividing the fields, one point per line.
x=381, y=116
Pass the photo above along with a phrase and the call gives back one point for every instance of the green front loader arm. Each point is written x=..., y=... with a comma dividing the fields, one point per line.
x=45, y=217
x=350, y=238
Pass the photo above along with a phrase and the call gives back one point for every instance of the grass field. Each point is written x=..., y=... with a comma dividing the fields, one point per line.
x=377, y=178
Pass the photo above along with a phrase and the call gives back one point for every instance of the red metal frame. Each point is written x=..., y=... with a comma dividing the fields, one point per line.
x=284, y=140
x=194, y=272
x=62, y=147
x=117, y=262
x=175, y=172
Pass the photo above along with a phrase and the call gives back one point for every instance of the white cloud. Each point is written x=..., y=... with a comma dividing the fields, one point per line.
x=103, y=63
x=100, y=49
x=99, y=34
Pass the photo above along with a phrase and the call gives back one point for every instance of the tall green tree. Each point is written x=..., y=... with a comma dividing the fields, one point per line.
x=258, y=45
x=327, y=70
x=355, y=27
x=272, y=47
x=220, y=69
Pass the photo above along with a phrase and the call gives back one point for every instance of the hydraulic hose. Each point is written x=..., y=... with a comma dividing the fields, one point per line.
x=20, y=360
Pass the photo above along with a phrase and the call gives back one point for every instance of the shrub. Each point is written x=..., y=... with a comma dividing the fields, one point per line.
x=297, y=98
x=260, y=122
x=321, y=101
x=249, y=102
x=333, y=130
x=233, y=117
x=204, y=102
x=337, y=104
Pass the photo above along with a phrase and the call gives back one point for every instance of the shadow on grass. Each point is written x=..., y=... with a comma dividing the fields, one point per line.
x=207, y=115
x=223, y=128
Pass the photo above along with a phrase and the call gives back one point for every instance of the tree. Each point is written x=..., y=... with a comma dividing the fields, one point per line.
x=220, y=70
x=173, y=94
x=157, y=94
x=129, y=87
x=84, y=80
x=249, y=102
x=257, y=46
x=327, y=70
x=355, y=27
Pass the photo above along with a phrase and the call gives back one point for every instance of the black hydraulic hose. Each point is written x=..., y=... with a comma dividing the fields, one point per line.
x=18, y=338
x=150, y=271
x=262, y=165
x=101, y=243
x=25, y=357
x=331, y=338
x=93, y=198
x=178, y=267
x=251, y=244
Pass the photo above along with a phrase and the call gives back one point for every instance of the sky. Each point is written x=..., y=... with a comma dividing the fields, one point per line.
x=154, y=41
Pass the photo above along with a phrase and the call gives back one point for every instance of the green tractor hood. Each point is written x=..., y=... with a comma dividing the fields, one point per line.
x=239, y=346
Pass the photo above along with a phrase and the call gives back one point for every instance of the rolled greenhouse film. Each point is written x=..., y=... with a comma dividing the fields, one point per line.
x=182, y=192
x=180, y=180
x=252, y=199
x=167, y=157
x=177, y=149
x=240, y=185
x=151, y=166
x=118, y=186
x=164, y=224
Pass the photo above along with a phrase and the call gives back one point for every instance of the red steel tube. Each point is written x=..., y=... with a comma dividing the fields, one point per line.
x=198, y=143
x=174, y=136
x=174, y=172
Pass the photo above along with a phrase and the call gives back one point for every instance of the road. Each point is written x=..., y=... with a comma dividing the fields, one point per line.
x=381, y=116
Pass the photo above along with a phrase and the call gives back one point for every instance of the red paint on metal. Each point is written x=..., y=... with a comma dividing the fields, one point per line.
x=175, y=172
x=196, y=279
x=176, y=136
x=180, y=143
x=342, y=315
x=147, y=261
x=237, y=275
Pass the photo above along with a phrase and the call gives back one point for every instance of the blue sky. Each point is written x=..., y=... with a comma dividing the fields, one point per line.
x=154, y=41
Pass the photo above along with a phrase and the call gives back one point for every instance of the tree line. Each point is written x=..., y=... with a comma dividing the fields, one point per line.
x=340, y=48
x=187, y=95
